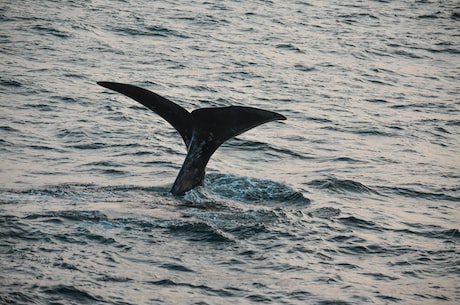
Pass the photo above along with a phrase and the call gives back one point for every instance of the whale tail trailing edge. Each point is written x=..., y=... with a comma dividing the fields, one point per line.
x=177, y=116
x=203, y=130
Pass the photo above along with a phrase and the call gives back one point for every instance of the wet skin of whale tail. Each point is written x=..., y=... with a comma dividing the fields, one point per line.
x=203, y=130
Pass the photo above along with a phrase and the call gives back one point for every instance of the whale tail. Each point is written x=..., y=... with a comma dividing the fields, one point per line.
x=203, y=130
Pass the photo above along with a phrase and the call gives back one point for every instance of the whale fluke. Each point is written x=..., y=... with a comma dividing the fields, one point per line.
x=203, y=130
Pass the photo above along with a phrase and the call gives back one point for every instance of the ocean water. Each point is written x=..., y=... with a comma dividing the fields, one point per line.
x=354, y=199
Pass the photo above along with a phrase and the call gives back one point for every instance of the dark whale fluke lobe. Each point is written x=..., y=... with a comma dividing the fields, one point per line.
x=177, y=116
x=203, y=130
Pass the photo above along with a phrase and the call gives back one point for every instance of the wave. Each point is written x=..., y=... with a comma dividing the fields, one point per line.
x=71, y=293
x=200, y=231
x=74, y=215
x=349, y=186
x=225, y=292
x=412, y=193
x=355, y=222
x=365, y=131
x=49, y=30
x=149, y=31
x=416, y=229
x=342, y=186
x=246, y=189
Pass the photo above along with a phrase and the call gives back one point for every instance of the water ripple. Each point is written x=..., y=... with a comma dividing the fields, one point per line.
x=355, y=194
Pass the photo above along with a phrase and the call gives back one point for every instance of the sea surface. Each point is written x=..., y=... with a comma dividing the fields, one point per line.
x=354, y=199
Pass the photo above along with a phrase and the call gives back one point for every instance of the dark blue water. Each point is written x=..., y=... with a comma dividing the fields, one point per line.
x=353, y=200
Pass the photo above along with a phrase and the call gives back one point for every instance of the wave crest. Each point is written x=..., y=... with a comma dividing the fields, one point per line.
x=240, y=188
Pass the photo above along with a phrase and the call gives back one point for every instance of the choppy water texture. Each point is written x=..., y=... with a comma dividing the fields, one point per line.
x=353, y=200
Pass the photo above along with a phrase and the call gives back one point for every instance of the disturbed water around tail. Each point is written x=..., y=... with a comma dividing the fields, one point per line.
x=353, y=200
